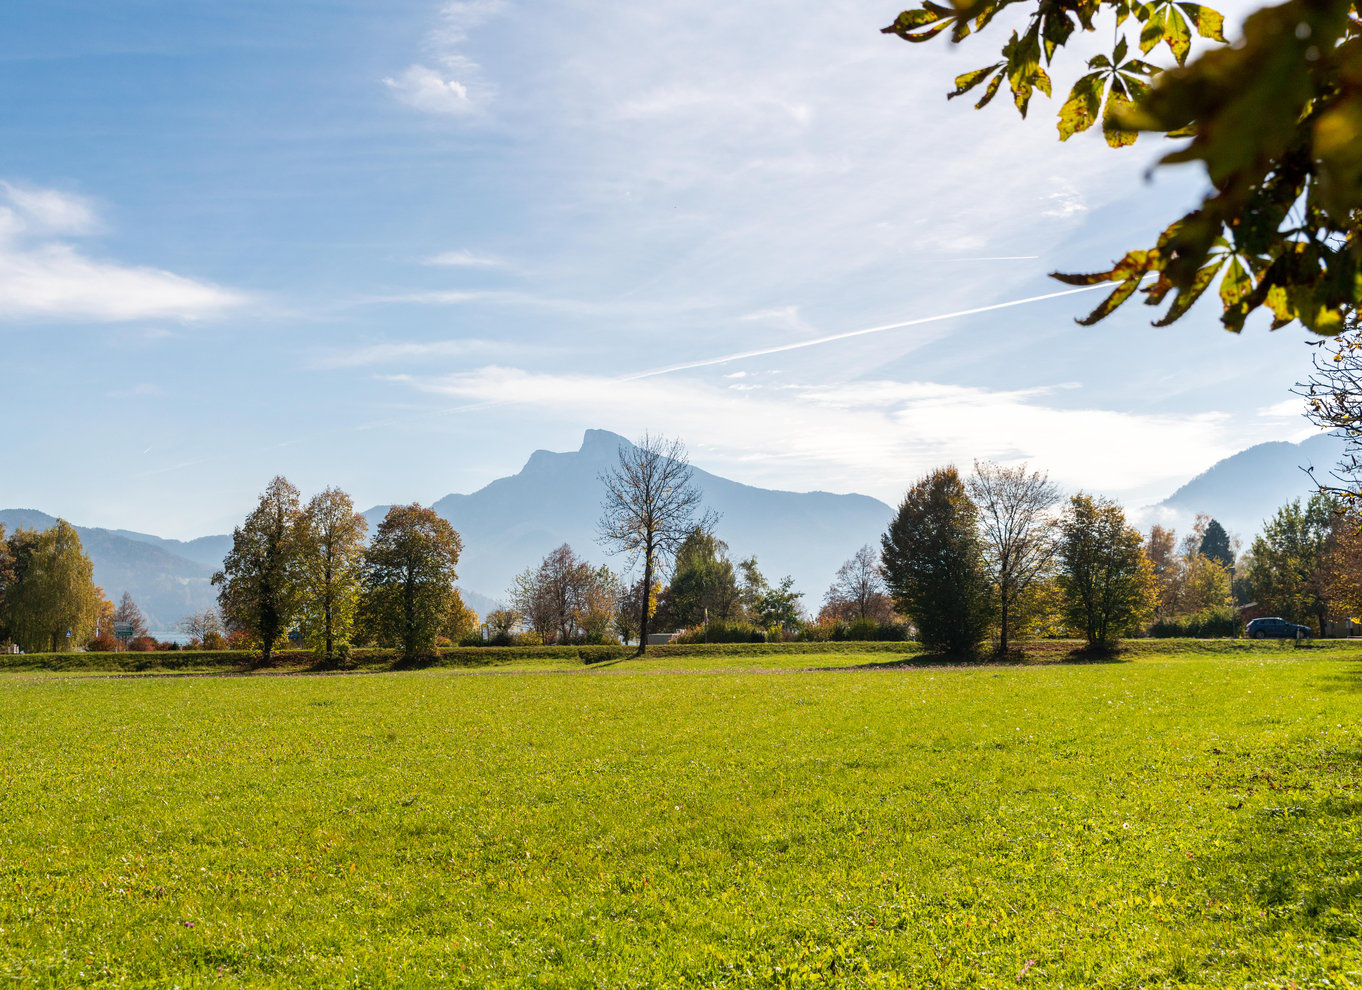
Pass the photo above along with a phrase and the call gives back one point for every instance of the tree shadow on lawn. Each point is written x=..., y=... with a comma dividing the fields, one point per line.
x=1295, y=859
x=1035, y=655
x=1348, y=679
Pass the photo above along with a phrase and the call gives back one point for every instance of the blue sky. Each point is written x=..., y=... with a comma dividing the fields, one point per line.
x=397, y=246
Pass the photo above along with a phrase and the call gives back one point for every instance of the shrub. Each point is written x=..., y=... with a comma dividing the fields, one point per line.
x=856, y=631
x=723, y=632
x=1211, y=623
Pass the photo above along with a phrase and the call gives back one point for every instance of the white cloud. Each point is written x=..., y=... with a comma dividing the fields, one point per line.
x=54, y=281
x=455, y=87
x=464, y=259
x=458, y=17
x=399, y=351
x=783, y=318
x=686, y=99
x=41, y=278
x=1292, y=408
x=873, y=436
x=46, y=211
x=425, y=89
x=1065, y=202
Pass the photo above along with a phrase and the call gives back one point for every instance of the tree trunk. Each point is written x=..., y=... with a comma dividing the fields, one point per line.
x=1003, y=592
x=647, y=600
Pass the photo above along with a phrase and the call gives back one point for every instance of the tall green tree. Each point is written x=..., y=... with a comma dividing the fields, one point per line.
x=1108, y=582
x=1275, y=119
x=51, y=603
x=778, y=608
x=933, y=564
x=1215, y=545
x=409, y=574
x=1289, y=572
x=260, y=582
x=331, y=565
x=6, y=585
x=649, y=509
x=703, y=582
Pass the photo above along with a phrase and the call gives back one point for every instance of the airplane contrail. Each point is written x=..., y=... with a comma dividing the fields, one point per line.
x=799, y=344
x=702, y=363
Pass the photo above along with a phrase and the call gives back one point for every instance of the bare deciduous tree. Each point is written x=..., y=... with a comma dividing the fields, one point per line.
x=858, y=587
x=128, y=612
x=1018, y=530
x=565, y=599
x=203, y=629
x=1333, y=399
x=649, y=509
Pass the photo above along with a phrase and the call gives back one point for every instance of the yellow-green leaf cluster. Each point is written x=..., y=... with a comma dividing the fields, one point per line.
x=1275, y=119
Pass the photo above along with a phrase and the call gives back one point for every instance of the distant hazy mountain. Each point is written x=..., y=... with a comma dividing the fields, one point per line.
x=512, y=523
x=165, y=585
x=1244, y=489
x=205, y=550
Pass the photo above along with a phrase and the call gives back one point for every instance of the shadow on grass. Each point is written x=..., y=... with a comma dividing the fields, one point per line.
x=1296, y=859
x=1012, y=658
x=1347, y=680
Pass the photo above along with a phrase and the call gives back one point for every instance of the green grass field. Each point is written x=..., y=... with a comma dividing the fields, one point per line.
x=1182, y=818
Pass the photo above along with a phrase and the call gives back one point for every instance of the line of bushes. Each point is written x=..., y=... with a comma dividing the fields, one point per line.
x=245, y=661
x=1211, y=623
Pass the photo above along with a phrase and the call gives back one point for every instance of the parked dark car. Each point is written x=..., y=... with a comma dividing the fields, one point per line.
x=1275, y=628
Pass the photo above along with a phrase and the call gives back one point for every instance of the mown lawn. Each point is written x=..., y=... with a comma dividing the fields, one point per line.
x=1179, y=819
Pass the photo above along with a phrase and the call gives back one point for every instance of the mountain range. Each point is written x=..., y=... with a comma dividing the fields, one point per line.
x=512, y=523
x=1246, y=488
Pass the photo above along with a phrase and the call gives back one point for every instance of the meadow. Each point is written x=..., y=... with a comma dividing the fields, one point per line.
x=1188, y=816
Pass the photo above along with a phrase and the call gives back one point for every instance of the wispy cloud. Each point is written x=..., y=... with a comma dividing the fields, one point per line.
x=464, y=259
x=404, y=351
x=874, y=436
x=783, y=318
x=455, y=84
x=43, y=278
x=424, y=88
x=45, y=211
x=1292, y=408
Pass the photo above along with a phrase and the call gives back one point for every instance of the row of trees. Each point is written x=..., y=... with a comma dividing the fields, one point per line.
x=963, y=557
x=991, y=553
x=309, y=567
